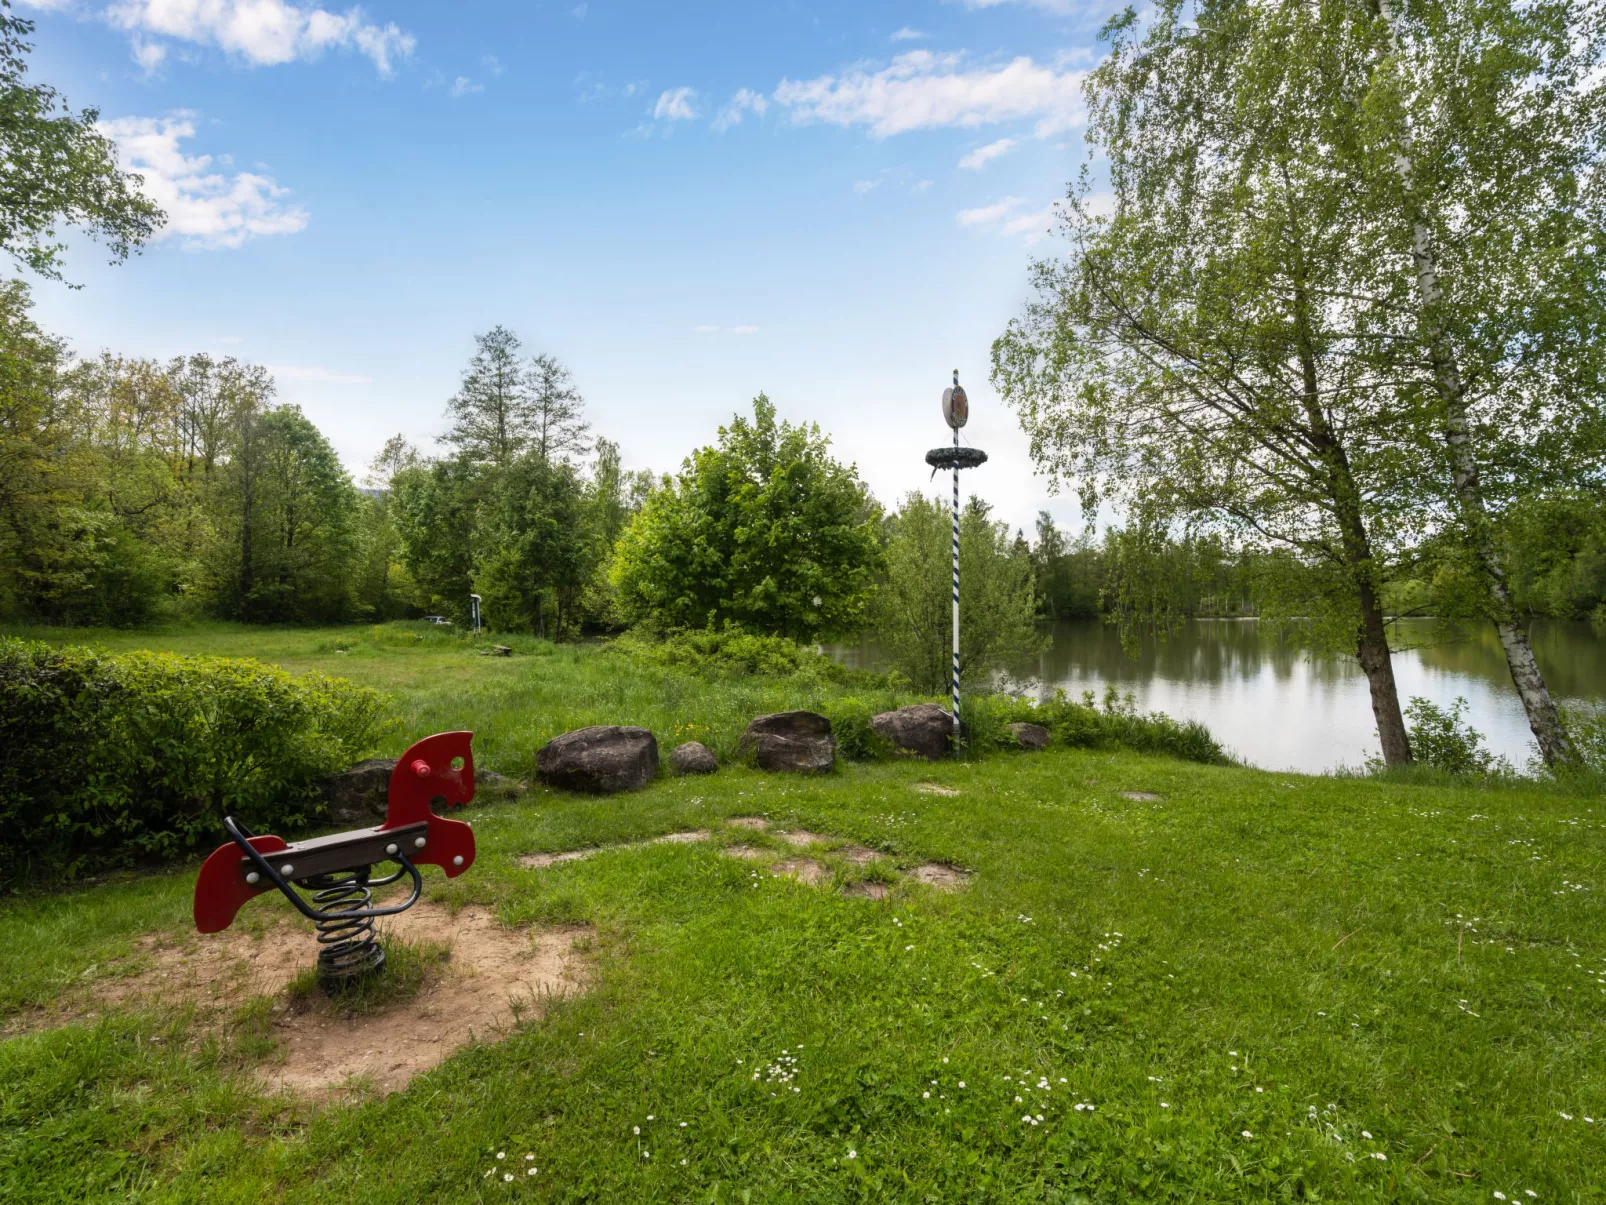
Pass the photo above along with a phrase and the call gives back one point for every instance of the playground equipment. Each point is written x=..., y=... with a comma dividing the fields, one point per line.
x=956, y=413
x=337, y=870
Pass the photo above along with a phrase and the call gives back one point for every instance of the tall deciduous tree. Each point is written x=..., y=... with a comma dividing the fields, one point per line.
x=57, y=168
x=913, y=609
x=558, y=429
x=765, y=530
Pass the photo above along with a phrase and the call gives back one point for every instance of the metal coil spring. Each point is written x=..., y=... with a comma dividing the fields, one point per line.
x=347, y=945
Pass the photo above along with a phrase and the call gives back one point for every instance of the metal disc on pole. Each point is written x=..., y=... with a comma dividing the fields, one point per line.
x=956, y=413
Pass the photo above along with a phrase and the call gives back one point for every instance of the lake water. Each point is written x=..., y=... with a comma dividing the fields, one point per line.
x=1277, y=706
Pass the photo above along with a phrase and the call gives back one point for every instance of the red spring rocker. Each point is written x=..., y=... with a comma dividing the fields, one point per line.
x=337, y=870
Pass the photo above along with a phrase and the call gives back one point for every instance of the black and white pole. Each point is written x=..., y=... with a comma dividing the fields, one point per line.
x=956, y=412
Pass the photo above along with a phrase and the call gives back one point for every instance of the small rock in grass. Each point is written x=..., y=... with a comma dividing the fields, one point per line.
x=602, y=760
x=1142, y=796
x=931, y=788
x=923, y=729
x=693, y=757
x=797, y=741
x=1029, y=736
x=942, y=876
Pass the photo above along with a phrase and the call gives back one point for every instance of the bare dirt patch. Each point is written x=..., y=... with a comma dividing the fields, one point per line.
x=804, y=870
x=680, y=838
x=931, y=788
x=1142, y=796
x=867, y=891
x=494, y=978
x=751, y=852
x=748, y=822
x=942, y=876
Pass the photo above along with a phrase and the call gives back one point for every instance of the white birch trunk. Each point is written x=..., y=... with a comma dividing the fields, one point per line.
x=1546, y=725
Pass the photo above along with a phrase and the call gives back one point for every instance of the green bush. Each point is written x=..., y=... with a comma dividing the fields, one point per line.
x=734, y=652
x=1116, y=724
x=111, y=759
x=1439, y=738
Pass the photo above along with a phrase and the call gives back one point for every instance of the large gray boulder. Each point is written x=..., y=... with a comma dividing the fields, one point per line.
x=360, y=795
x=1029, y=736
x=797, y=741
x=602, y=760
x=693, y=757
x=924, y=729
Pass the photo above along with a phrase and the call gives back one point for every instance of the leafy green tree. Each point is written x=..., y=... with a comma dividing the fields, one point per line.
x=913, y=611
x=533, y=551
x=57, y=168
x=491, y=414
x=764, y=530
x=556, y=411
x=435, y=507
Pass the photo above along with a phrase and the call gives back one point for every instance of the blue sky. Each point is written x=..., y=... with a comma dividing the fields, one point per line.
x=832, y=202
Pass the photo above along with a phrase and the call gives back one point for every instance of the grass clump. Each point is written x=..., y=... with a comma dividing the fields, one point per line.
x=410, y=967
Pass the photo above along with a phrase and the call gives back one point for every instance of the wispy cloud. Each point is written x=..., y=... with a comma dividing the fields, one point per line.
x=318, y=375
x=462, y=86
x=979, y=158
x=985, y=215
x=491, y=63
x=207, y=208
x=676, y=104
x=744, y=101
x=262, y=32
x=907, y=35
x=921, y=90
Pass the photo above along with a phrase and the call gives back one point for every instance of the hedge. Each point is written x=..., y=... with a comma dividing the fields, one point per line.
x=114, y=759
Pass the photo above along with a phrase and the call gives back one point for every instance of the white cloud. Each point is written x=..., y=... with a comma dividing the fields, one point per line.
x=462, y=86
x=920, y=185
x=863, y=186
x=978, y=158
x=986, y=215
x=907, y=35
x=318, y=375
x=148, y=55
x=1034, y=226
x=1062, y=7
x=745, y=100
x=263, y=32
x=677, y=104
x=921, y=90
x=207, y=208
x=491, y=63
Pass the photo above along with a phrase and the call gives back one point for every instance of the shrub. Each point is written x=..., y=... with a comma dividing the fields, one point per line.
x=734, y=652
x=114, y=759
x=1586, y=725
x=1440, y=739
x=1117, y=724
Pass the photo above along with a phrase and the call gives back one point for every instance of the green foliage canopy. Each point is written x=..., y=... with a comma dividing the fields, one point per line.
x=764, y=530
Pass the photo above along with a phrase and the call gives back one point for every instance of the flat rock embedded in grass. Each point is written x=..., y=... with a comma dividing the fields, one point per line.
x=804, y=870
x=601, y=760
x=942, y=876
x=923, y=729
x=867, y=891
x=1142, y=796
x=750, y=852
x=693, y=757
x=931, y=788
x=542, y=861
x=795, y=741
x=801, y=837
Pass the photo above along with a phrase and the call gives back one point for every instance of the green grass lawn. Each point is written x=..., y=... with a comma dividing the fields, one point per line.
x=1259, y=987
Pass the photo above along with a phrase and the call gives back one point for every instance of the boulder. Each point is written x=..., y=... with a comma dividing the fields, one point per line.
x=602, y=760
x=693, y=758
x=799, y=741
x=924, y=729
x=1029, y=736
x=360, y=795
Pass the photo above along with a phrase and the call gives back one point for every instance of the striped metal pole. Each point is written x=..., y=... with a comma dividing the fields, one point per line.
x=956, y=583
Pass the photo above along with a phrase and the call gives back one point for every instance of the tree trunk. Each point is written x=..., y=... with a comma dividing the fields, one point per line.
x=1372, y=651
x=1554, y=745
